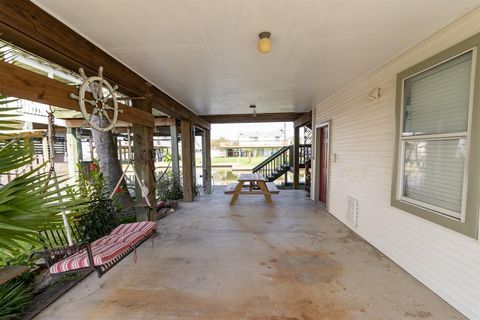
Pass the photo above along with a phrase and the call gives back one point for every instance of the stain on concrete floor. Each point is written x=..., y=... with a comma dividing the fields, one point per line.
x=291, y=261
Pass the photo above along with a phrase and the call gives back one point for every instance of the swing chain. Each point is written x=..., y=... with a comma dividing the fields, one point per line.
x=51, y=158
x=51, y=140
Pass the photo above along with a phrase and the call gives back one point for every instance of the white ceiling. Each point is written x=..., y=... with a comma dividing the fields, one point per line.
x=203, y=52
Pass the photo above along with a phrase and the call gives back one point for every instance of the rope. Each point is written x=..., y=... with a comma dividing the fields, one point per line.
x=143, y=188
x=165, y=172
x=135, y=255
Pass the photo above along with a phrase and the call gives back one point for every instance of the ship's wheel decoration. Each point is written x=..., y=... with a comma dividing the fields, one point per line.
x=104, y=103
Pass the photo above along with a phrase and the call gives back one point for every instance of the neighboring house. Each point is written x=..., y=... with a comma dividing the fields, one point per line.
x=403, y=148
x=254, y=144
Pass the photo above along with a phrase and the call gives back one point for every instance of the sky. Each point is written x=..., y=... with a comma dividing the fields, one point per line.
x=232, y=131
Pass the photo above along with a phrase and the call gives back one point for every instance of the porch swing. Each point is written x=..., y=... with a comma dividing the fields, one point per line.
x=102, y=254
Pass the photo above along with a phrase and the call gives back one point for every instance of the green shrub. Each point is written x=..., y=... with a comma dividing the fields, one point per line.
x=169, y=188
x=91, y=183
x=15, y=297
x=95, y=219
x=18, y=257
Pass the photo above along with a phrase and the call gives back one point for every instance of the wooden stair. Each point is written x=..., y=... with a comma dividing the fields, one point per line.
x=281, y=162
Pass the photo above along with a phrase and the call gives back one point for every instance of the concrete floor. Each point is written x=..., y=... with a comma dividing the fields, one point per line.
x=291, y=261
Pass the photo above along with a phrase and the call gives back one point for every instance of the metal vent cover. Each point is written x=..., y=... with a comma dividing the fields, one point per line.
x=352, y=211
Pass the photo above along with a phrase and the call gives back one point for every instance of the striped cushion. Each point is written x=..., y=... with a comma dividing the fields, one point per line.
x=102, y=254
x=131, y=238
x=145, y=227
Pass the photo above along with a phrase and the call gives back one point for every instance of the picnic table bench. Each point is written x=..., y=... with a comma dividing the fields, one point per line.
x=271, y=186
x=256, y=186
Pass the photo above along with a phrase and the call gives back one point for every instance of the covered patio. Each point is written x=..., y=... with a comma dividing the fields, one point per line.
x=383, y=104
x=253, y=261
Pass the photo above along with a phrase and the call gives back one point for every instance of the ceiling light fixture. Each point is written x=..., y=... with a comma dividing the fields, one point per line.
x=254, y=110
x=264, y=45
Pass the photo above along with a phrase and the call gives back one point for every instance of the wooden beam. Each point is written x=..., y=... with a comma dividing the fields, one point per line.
x=167, y=105
x=247, y=118
x=25, y=84
x=303, y=119
x=187, y=160
x=22, y=134
x=82, y=123
x=162, y=132
x=66, y=114
x=164, y=121
x=26, y=25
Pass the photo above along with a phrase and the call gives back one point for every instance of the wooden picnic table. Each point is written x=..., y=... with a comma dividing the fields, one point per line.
x=256, y=186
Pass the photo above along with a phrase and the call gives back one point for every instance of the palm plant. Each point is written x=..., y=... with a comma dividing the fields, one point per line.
x=31, y=202
x=15, y=297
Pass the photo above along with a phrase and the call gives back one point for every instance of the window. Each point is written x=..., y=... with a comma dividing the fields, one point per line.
x=436, y=105
x=436, y=174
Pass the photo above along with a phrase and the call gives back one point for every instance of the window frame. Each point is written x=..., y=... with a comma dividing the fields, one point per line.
x=465, y=222
x=438, y=137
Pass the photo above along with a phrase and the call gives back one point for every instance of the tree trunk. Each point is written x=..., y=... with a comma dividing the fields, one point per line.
x=110, y=166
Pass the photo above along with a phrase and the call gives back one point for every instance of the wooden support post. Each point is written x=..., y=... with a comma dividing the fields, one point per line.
x=175, y=156
x=74, y=153
x=207, y=163
x=296, y=153
x=45, y=149
x=143, y=161
x=78, y=135
x=187, y=160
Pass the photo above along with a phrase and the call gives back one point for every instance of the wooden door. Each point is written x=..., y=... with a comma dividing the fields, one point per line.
x=323, y=163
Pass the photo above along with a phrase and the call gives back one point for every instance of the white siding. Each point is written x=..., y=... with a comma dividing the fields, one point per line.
x=362, y=137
